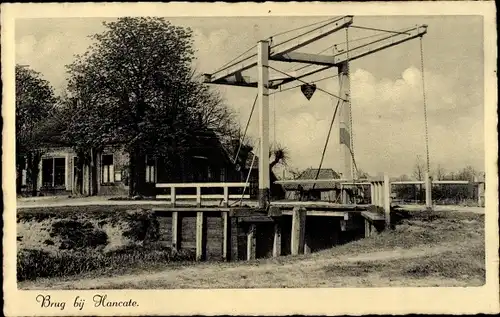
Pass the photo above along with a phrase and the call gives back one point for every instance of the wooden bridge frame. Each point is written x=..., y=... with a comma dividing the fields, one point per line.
x=380, y=197
x=287, y=52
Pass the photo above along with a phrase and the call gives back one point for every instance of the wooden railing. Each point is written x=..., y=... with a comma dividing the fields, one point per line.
x=199, y=196
x=381, y=188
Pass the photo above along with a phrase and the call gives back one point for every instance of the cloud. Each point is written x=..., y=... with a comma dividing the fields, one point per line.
x=50, y=52
x=388, y=119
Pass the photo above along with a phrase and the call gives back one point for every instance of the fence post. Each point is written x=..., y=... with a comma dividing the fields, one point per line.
x=387, y=200
x=226, y=196
x=175, y=230
x=480, y=193
x=380, y=186
x=198, y=196
x=428, y=191
x=172, y=196
x=372, y=193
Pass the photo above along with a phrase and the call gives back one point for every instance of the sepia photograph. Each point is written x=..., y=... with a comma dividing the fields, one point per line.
x=169, y=152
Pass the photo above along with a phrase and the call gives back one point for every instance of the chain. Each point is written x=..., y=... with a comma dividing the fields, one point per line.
x=274, y=119
x=425, y=105
x=348, y=97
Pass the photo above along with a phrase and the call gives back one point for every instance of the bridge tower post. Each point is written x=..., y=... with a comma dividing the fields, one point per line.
x=345, y=121
x=263, y=101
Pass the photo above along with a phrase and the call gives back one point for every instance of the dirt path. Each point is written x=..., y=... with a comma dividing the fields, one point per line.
x=308, y=272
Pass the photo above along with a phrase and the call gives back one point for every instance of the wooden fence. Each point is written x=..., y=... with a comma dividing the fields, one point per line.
x=199, y=196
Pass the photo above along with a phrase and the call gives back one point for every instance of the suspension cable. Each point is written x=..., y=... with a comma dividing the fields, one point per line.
x=246, y=128
x=234, y=59
x=330, y=20
x=425, y=105
x=303, y=27
x=312, y=30
x=311, y=82
x=375, y=29
x=295, y=78
x=328, y=137
x=400, y=31
x=274, y=119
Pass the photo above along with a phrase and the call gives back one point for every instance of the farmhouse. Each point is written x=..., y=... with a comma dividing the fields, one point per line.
x=207, y=160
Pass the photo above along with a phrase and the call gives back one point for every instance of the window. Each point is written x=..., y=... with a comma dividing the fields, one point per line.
x=150, y=170
x=223, y=174
x=54, y=172
x=118, y=176
x=107, y=169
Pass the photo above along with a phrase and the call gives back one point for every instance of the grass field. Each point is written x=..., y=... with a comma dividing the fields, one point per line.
x=444, y=248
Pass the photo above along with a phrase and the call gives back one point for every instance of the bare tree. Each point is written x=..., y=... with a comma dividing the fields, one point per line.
x=419, y=173
x=419, y=169
x=440, y=172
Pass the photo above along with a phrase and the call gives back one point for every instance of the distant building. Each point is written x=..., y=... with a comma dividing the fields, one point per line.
x=328, y=191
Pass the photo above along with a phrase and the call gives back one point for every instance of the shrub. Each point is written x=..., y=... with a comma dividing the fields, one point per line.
x=32, y=264
x=142, y=226
x=76, y=234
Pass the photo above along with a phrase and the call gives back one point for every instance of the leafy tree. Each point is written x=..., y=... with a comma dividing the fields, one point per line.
x=135, y=87
x=35, y=103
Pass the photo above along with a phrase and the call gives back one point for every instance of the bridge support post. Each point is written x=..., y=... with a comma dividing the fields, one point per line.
x=367, y=228
x=277, y=239
x=298, y=230
x=199, y=236
x=263, y=98
x=251, y=239
x=428, y=191
x=387, y=200
x=226, y=234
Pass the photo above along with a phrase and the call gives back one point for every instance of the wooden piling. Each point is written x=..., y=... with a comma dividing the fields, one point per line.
x=307, y=243
x=298, y=230
x=380, y=191
x=277, y=239
x=175, y=231
x=367, y=228
x=225, y=235
x=251, y=239
x=199, y=236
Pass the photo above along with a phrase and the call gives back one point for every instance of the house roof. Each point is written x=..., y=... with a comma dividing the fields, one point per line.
x=310, y=173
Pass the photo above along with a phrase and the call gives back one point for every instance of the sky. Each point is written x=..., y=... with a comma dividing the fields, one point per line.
x=386, y=87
